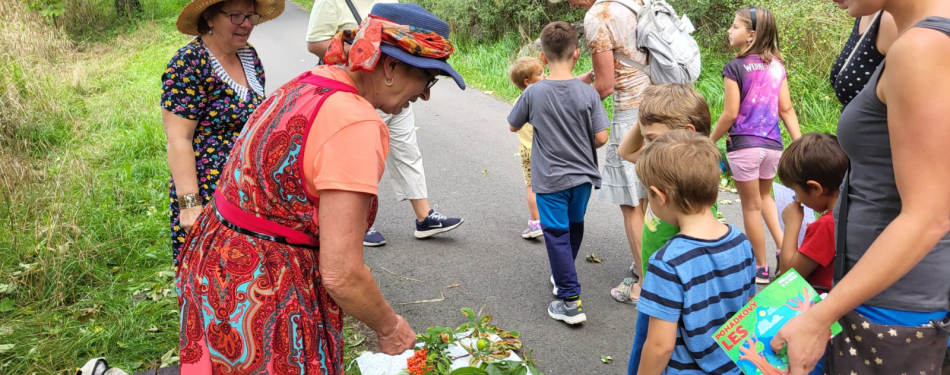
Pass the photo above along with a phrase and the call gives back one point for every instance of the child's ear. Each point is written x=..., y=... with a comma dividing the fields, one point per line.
x=659, y=194
x=814, y=188
x=690, y=127
x=526, y=82
x=544, y=59
x=577, y=54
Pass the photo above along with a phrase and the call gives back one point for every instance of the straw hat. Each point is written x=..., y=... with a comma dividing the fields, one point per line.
x=189, y=17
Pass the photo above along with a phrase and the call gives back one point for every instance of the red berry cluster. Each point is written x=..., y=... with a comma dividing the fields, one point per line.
x=417, y=363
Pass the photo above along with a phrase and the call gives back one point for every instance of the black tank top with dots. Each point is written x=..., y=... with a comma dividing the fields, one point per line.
x=866, y=58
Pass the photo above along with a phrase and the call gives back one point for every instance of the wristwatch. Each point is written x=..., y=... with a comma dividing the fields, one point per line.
x=189, y=201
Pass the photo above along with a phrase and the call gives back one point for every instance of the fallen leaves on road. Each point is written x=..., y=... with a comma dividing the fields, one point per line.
x=453, y=286
x=606, y=359
x=593, y=258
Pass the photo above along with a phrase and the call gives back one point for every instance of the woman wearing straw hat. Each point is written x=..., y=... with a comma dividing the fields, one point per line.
x=276, y=258
x=210, y=88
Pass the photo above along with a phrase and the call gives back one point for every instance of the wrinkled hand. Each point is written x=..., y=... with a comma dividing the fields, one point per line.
x=187, y=217
x=402, y=338
x=793, y=213
x=806, y=337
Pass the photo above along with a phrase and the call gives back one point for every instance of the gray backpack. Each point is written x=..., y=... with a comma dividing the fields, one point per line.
x=673, y=55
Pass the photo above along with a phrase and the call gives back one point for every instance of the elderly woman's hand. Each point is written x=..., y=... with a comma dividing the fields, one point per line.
x=401, y=338
x=188, y=216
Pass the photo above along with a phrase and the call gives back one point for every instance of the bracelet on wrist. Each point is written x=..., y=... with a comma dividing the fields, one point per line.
x=189, y=201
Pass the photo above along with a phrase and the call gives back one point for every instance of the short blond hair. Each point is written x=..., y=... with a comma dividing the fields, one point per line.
x=675, y=105
x=684, y=165
x=522, y=69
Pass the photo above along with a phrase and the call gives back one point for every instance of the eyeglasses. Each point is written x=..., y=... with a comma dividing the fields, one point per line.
x=238, y=18
x=430, y=79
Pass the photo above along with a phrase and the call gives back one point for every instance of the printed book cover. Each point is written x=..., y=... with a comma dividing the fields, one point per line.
x=747, y=336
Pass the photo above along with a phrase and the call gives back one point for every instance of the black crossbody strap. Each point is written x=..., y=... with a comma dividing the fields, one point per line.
x=356, y=14
x=841, y=229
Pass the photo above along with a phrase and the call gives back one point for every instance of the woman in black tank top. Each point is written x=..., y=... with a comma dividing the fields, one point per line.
x=900, y=164
x=870, y=38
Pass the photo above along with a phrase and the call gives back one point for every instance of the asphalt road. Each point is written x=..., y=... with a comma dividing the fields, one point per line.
x=473, y=172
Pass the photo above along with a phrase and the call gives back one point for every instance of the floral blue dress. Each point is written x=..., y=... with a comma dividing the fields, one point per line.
x=196, y=87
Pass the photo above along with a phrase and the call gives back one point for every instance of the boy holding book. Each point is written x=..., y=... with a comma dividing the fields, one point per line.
x=685, y=306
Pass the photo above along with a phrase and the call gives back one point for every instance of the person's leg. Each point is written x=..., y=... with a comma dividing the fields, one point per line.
x=562, y=245
x=639, y=339
x=633, y=226
x=745, y=165
x=577, y=209
x=752, y=218
x=404, y=162
x=770, y=212
x=555, y=224
x=532, y=205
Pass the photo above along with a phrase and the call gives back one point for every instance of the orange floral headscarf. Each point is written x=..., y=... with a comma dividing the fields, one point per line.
x=364, y=54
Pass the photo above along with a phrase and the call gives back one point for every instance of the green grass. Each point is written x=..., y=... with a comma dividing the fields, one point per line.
x=306, y=4
x=85, y=257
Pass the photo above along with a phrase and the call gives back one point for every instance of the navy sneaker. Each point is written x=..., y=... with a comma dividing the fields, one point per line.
x=436, y=223
x=373, y=238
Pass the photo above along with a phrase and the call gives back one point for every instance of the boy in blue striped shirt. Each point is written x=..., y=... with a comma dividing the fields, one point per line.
x=704, y=274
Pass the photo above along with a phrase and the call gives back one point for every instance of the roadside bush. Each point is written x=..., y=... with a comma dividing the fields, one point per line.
x=489, y=20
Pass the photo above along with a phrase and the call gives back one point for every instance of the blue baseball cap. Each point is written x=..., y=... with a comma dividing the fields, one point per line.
x=416, y=16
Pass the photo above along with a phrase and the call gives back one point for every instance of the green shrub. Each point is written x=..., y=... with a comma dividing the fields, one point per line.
x=490, y=20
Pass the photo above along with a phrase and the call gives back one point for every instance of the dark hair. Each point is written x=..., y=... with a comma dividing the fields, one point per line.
x=558, y=40
x=765, y=44
x=213, y=10
x=675, y=105
x=814, y=157
x=690, y=186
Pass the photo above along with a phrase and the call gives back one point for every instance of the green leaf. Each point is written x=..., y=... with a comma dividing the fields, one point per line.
x=6, y=347
x=514, y=334
x=468, y=371
x=606, y=359
x=469, y=313
x=6, y=305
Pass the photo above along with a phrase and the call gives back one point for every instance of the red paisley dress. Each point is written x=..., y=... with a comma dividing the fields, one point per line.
x=252, y=305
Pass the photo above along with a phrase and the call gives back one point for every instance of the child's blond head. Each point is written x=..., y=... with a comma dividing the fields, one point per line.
x=523, y=69
x=684, y=165
x=675, y=105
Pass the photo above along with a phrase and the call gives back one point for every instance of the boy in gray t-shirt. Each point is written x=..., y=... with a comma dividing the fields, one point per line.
x=569, y=124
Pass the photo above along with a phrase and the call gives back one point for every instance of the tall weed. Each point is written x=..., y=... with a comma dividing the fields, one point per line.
x=84, y=263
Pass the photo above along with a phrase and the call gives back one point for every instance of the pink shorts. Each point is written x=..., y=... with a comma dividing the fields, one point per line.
x=753, y=163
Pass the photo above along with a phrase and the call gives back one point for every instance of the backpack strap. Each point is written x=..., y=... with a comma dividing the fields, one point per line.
x=860, y=40
x=356, y=15
x=636, y=9
x=841, y=229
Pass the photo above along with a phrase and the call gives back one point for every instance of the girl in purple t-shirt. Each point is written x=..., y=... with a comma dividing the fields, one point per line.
x=756, y=97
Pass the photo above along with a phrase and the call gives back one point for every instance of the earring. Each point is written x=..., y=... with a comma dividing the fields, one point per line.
x=389, y=81
x=748, y=43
